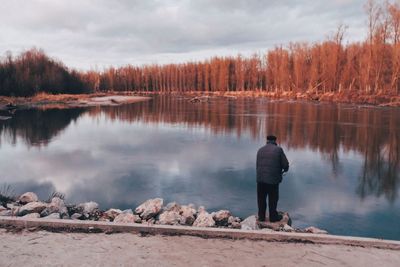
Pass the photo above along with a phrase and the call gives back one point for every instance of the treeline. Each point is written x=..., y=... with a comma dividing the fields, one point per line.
x=33, y=72
x=370, y=67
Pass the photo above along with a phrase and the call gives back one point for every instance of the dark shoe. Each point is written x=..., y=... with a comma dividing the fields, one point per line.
x=276, y=218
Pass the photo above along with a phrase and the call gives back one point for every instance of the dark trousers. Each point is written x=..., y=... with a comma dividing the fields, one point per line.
x=272, y=190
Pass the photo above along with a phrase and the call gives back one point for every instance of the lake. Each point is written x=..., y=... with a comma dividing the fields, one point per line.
x=344, y=160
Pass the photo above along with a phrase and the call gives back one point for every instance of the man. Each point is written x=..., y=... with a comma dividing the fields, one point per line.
x=271, y=164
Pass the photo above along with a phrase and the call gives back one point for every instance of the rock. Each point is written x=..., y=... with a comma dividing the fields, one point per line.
x=277, y=226
x=315, y=230
x=112, y=213
x=32, y=215
x=250, y=223
x=170, y=218
x=6, y=213
x=150, y=221
x=287, y=228
x=201, y=209
x=233, y=219
x=127, y=218
x=150, y=208
x=77, y=216
x=12, y=205
x=188, y=214
x=204, y=219
x=172, y=206
x=88, y=207
x=235, y=225
x=56, y=205
x=53, y=216
x=2, y=208
x=221, y=217
x=28, y=197
x=32, y=207
x=128, y=211
x=104, y=218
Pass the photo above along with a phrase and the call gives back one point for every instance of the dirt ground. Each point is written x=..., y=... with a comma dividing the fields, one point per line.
x=79, y=249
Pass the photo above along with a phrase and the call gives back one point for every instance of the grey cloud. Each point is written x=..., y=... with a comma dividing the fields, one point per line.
x=87, y=33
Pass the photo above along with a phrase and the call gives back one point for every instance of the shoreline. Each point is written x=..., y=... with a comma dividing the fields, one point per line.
x=47, y=101
x=113, y=98
x=151, y=212
x=350, y=98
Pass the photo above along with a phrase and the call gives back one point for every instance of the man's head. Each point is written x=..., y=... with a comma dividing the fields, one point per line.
x=271, y=138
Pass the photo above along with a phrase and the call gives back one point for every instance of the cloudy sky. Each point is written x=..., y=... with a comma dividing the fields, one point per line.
x=88, y=34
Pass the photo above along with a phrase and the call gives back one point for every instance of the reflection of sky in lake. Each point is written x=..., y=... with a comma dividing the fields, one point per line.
x=120, y=164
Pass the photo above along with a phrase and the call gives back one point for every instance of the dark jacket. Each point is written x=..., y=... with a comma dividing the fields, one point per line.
x=271, y=160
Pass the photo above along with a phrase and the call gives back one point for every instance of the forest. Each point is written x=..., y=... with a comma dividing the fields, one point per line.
x=370, y=67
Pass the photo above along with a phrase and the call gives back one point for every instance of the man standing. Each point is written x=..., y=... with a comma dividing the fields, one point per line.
x=271, y=164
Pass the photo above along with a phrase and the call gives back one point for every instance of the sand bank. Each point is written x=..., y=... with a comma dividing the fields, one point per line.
x=41, y=248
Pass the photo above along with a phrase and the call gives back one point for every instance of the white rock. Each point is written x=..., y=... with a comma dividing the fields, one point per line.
x=287, y=228
x=32, y=207
x=128, y=211
x=112, y=213
x=221, y=217
x=88, y=207
x=56, y=205
x=233, y=219
x=188, y=214
x=12, y=205
x=6, y=213
x=53, y=216
x=2, y=208
x=204, y=219
x=277, y=226
x=172, y=206
x=170, y=218
x=32, y=215
x=76, y=216
x=28, y=197
x=315, y=230
x=150, y=208
x=235, y=225
x=201, y=209
x=127, y=218
x=250, y=223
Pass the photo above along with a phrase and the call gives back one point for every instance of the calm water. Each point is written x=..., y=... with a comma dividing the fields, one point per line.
x=344, y=174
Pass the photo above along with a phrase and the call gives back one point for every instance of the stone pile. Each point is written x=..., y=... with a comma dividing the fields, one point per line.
x=151, y=211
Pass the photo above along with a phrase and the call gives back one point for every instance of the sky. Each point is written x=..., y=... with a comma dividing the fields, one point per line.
x=89, y=34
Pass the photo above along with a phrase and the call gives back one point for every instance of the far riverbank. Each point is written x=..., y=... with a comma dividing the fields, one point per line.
x=44, y=100
x=354, y=98
x=69, y=100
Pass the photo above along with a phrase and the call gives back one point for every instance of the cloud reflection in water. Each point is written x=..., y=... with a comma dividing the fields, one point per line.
x=121, y=156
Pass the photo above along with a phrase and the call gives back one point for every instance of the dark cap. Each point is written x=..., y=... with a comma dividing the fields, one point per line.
x=271, y=138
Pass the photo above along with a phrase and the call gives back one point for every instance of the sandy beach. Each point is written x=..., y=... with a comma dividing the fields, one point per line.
x=47, y=101
x=41, y=248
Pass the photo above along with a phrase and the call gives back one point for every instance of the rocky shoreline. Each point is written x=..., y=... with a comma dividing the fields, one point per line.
x=150, y=212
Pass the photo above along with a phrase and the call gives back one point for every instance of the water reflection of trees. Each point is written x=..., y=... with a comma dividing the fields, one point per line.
x=328, y=129
x=37, y=127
